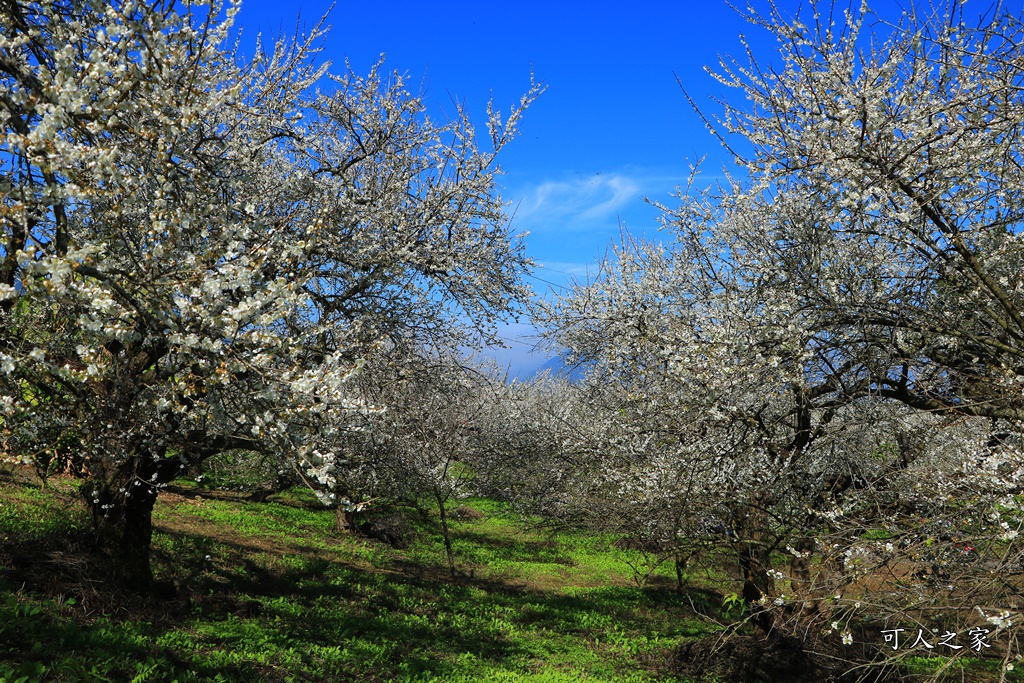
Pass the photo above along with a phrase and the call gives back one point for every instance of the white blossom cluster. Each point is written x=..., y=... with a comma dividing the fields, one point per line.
x=825, y=353
x=199, y=251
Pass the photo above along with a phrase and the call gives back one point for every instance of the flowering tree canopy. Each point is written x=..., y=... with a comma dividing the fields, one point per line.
x=887, y=158
x=834, y=341
x=197, y=249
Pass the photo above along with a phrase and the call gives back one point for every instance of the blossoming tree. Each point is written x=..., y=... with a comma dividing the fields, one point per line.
x=782, y=355
x=197, y=250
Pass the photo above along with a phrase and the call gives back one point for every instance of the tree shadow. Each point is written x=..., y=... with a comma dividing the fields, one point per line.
x=546, y=552
x=248, y=598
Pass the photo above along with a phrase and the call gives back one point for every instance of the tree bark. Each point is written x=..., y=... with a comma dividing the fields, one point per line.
x=122, y=514
x=123, y=523
x=680, y=562
x=756, y=584
x=800, y=567
x=446, y=532
x=754, y=561
x=344, y=520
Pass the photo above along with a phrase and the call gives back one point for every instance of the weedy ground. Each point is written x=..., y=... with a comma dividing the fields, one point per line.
x=267, y=591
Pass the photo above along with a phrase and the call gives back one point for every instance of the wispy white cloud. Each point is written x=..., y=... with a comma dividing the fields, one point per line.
x=579, y=203
x=596, y=205
x=623, y=190
x=519, y=357
x=565, y=268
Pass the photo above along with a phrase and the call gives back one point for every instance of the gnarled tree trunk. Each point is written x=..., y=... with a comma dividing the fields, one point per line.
x=754, y=559
x=122, y=513
x=344, y=520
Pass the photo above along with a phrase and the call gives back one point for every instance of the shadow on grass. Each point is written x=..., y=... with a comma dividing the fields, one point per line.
x=245, y=611
x=517, y=549
x=427, y=623
x=285, y=498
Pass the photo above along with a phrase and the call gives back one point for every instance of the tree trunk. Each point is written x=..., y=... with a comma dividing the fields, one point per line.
x=122, y=514
x=447, y=533
x=680, y=561
x=123, y=520
x=344, y=520
x=754, y=559
x=800, y=567
x=757, y=583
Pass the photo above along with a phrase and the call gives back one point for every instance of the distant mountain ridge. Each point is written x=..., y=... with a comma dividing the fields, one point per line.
x=558, y=368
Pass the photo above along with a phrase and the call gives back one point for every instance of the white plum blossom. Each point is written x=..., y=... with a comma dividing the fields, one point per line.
x=206, y=246
x=823, y=353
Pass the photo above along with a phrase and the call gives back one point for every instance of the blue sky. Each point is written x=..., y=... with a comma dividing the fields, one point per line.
x=612, y=127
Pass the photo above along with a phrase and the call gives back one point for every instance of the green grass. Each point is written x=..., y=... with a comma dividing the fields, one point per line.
x=29, y=513
x=960, y=669
x=269, y=593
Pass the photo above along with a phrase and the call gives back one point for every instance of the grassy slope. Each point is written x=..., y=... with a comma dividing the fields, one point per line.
x=268, y=593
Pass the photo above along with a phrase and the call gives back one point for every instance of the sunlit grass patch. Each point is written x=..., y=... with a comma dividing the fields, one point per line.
x=29, y=513
x=252, y=519
x=268, y=591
